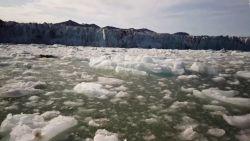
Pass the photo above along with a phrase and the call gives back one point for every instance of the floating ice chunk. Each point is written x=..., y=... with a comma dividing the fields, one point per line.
x=56, y=126
x=130, y=71
x=31, y=120
x=187, y=90
x=242, y=121
x=103, y=62
x=31, y=72
x=244, y=135
x=72, y=103
x=187, y=77
x=179, y=68
x=34, y=98
x=178, y=105
x=18, y=89
x=32, y=127
x=92, y=90
x=98, y=122
x=188, y=134
x=243, y=74
x=104, y=135
x=218, y=79
x=121, y=88
x=122, y=94
x=187, y=122
x=214, y=91
x=239, y=62
x=50, y=114
x=216, y=132
x=140, y=98
x=23, y=133
x=223, y=96
x=109, y=81
x=147, y=59
x=12, y=107
x=201, y=68
x=149, y=137
x=214, y=108
x=151, y=120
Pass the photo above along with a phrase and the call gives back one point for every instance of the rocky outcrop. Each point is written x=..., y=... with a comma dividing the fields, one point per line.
x=75, y=34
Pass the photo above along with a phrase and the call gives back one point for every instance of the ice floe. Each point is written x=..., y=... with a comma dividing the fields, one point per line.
x=18, y=89
x=216, y=132
x=104, y=135
x=33, y=127
x=243, y=74
x=92, y=90
x=223, y=96
x=242, y=121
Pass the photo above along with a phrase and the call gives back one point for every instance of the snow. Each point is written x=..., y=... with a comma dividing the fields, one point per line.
x=33, y=127
x=104, y=135
x=92, y=89
x=242, y=121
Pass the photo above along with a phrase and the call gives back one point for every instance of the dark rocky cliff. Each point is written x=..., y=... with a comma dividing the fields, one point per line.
x=72, y=33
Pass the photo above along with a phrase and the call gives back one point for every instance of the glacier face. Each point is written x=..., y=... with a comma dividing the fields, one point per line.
x=122, y=94
x=71, y=33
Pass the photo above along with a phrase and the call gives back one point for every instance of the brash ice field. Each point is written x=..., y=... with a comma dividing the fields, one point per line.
x=65, y=93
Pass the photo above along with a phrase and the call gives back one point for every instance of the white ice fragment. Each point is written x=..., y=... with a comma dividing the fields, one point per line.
x=50, y=114
x=34, y=98
x=214, y=108
x=188, y=134
x=109, y=81
x=32, y=127
x=72, y=103
x=56, y=126
x=223, y=96
x=204, y=69
x=243, y=74
x=12, y=107
x=218, y=79
x=151, y=120
x=187, y=77
x=243, y=135
x=18, y=89
x=130, y=71
x=216, y=132
x=242, y=121
x=104, y=135
x=98, y=122
x=31, y=120
x=122, y=94
x=31, y=72
x=92, y=90
x=187, y=90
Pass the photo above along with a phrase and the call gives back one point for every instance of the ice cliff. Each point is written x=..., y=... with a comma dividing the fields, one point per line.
x=72, y=33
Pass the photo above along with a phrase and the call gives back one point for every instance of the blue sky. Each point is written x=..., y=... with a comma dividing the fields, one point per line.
x=197, y=17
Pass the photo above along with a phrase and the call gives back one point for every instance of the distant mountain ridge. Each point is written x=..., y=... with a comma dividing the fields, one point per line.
x=75, y=34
